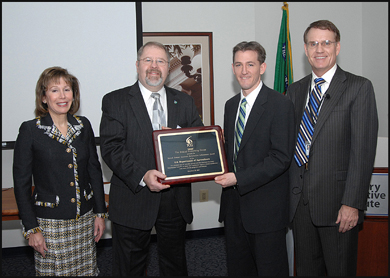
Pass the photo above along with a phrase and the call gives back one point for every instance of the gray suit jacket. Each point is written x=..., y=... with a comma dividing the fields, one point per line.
x=127, y=148
x=343, y=148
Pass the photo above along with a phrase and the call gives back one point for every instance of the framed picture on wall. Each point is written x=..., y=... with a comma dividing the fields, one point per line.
x=191, y=67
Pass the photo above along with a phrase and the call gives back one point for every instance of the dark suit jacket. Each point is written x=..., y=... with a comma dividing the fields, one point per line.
x=264, y=157
x=342, y=151
x=40, y=157
x=127, y=148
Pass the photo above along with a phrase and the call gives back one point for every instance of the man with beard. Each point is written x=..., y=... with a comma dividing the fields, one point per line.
x=138, y=201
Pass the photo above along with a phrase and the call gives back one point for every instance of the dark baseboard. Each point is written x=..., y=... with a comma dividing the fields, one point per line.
x=17, y=251
x=204, y=233
x=27, y=250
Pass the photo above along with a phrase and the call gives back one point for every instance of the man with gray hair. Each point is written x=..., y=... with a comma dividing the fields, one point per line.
x=138, y=201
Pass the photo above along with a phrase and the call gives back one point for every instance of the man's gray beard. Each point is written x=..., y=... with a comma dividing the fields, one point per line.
x=153, y=83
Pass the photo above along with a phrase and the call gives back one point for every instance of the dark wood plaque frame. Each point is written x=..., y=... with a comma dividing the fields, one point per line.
x=189, y=178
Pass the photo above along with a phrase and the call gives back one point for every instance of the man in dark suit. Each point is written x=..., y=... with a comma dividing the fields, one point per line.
x=254, y=200
x=329, y=179
x=138, y=201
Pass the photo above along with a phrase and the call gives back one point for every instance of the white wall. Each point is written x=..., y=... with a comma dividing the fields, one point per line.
x=76, y=36
x=375, y=57
x=362, y=50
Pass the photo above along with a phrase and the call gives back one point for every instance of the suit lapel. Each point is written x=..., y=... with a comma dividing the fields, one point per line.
x=173, y=105
x=301, y=98
x=255, y=115
x=335, y=91
x=137, y=105
x=231, y=126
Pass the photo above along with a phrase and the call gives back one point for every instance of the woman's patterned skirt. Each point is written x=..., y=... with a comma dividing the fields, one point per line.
x=72, y=248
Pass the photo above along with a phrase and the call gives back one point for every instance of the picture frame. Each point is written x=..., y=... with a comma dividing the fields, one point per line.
x=191, y=67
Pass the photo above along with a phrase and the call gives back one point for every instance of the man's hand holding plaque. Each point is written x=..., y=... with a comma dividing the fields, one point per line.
x=152, y=180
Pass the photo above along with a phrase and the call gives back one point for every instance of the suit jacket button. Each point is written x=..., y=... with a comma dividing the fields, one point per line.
x=70, y=166
x=73, y=200
x=72, y=183
x=68, y=150
x=296, y=190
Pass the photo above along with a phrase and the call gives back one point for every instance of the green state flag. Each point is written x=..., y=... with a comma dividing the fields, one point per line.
x=283, y=66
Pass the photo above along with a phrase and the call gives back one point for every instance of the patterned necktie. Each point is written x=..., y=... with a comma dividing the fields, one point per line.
x=308, y=122
x=239, y=130
x=158, y=119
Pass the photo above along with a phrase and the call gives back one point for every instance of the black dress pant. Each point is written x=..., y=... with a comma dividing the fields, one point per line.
x=130, y=246
x=248, y=254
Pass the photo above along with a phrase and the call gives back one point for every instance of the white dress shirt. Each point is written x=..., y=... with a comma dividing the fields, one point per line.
x=324, y=87
x=149, y=101
x=250, y=101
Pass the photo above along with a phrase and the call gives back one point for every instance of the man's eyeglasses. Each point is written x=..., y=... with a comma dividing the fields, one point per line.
x=325, y=44
x=159, y=62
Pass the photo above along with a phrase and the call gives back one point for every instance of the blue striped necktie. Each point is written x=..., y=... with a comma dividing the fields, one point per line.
x=158, y=119
x=239, y=130
x=308, y=122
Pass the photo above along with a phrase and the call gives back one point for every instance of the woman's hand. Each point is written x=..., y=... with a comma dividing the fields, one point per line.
x=100, y=226
x=37, y=241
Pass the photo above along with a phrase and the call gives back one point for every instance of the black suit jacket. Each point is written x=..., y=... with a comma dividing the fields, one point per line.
x=265, y=154
x=51, y=164
x=342, y=151
x=127, y=148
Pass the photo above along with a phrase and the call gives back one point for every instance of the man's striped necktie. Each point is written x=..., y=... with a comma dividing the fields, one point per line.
x=158, y=119
x=308, y=122
x=239, y=130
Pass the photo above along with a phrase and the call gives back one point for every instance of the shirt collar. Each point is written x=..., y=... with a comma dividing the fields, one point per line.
x=327, y=76
x=146, y=94
x=251, y=98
